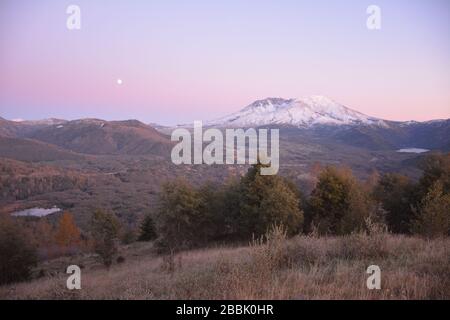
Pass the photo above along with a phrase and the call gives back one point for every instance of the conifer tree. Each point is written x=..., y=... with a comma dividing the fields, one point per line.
x=148, y=229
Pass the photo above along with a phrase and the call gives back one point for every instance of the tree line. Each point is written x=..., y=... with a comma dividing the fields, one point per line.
x=339, y=204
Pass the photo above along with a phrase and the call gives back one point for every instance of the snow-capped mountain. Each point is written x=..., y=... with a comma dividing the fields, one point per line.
x=43, y=122
x=314, y=110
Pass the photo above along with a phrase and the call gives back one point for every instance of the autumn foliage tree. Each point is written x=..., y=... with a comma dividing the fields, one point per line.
x=67, y=233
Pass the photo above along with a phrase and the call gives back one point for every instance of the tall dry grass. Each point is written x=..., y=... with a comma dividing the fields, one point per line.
x=305, y=267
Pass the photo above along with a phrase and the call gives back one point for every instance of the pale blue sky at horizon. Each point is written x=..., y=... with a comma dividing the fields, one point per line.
x=185, y=60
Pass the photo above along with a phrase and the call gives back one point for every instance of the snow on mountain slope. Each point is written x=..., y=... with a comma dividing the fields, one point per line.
x=314, y=110
x=43, y=122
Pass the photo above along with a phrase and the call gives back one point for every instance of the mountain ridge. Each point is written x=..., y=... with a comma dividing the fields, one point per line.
x=96, y=136
x=87, y=136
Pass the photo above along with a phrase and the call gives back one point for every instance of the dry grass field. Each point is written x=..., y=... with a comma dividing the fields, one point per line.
x=304, y=267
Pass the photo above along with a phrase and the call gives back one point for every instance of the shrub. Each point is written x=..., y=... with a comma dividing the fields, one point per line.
x=17, y=255
x=370, y=243
x=269, y=252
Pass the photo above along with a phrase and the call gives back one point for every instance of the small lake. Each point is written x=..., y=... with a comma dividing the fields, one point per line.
x=413, y=150
x=35, y=212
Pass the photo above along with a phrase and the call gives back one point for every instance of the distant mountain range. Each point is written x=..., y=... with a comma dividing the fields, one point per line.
x=317, y=120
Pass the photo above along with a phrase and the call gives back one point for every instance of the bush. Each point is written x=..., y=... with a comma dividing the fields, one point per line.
x=269, y=252
x=17, y=255
x=370, y=243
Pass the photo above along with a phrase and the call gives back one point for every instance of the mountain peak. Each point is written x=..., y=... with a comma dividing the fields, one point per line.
x=319, y=100
x=268, y=104
x=309, y=111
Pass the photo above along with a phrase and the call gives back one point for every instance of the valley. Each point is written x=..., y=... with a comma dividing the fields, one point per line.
x=84, y=164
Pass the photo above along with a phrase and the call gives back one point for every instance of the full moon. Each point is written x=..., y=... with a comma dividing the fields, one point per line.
x=119, y=81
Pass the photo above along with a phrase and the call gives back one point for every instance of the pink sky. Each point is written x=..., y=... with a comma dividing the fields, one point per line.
x=180, y=62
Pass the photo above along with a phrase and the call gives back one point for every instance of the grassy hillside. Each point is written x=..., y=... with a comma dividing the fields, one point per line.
x=305, y=267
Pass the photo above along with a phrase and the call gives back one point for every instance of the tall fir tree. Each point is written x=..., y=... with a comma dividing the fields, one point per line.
x=148, y=229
